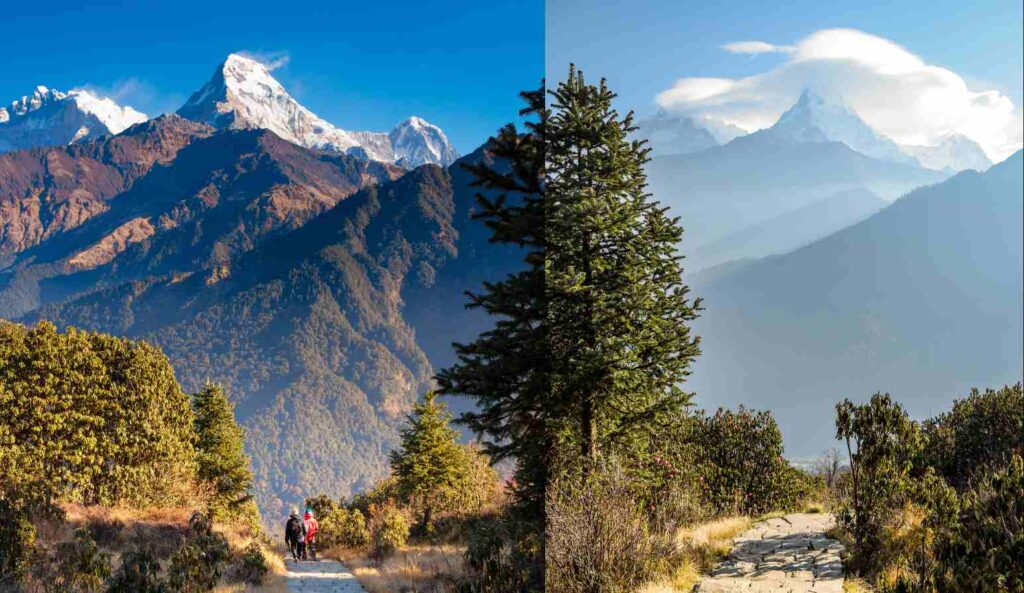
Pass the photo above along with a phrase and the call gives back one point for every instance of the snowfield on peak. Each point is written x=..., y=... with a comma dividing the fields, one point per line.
x=49, y=117
x=243, y=94
x=954, y=153
x=815, y=119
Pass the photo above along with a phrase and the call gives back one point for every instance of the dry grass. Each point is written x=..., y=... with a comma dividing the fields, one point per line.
x=852, y=585
x=419, y=568
x=118, y=529
x=701, y=547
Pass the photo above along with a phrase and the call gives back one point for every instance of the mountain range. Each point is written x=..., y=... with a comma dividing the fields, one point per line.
x=241, y=94
x=49, y=117
x=923, y=300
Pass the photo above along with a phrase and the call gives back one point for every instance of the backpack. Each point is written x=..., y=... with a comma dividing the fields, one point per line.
x=293, y=529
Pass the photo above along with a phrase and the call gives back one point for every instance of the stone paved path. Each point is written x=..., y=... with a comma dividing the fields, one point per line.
x=786, y=555
x=324, y=576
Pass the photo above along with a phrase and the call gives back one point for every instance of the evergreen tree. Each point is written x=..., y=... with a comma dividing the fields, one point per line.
x=220, y=448
x=617, y=309
x=430, y=466
x=506, y=370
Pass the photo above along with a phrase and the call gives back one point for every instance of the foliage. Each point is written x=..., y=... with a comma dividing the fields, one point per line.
x=740, y=457
x=982, y=431
x=983, y=552
x=431, y=469
x=139, y=573
x=220, y=451
x=505, y=370
x=250, y=567
x=599, y=536
x=882, y=443
x=381, y=494
x=198, y=564
x=17, y=543
x=618, y=313
x=322, y=505
x=75, y=566
x=343, y=527
x=501, y=553
x=102, y=418
x=389, y=531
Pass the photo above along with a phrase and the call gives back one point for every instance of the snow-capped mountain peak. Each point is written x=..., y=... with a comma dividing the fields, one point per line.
x=243, y=94
x=417, y=141
x=953, y=153
x=816, y=119
x=50, y=117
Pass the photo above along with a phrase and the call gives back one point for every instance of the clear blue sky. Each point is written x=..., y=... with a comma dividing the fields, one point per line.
x=642, y=46
x=361, y=65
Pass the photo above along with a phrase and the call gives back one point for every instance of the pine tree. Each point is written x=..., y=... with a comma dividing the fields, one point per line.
x=431, y=468
x=506, y=369
x=617, y=310
x=220, y=448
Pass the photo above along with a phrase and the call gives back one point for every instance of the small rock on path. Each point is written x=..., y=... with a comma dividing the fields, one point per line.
x=320, y=576
x=784, y=555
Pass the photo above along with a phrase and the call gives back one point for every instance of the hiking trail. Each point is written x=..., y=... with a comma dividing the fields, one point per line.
x=788, y=554
x=321, y=576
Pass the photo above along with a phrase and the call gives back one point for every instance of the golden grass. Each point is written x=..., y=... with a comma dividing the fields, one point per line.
x=118, y=529
x=421, y=568
x=701, y=547
x=852, y=585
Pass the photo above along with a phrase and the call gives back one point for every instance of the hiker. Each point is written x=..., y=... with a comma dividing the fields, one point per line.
x=295, y=535
x=311, y=528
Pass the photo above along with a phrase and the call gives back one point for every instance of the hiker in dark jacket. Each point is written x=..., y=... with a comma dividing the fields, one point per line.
x=295, y=535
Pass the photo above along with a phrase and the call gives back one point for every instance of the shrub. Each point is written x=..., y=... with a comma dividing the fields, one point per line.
x=199, y=563
x=383, y=493
x=740, y=455
x=389, y=529
x=882, y=444
x=17, y=543
x=503, y=555
x=342, y=527
x=984, y=551
x=73, y=566
x=599, y=538
x=250, y=567
x=139, y=573
x=981, y=431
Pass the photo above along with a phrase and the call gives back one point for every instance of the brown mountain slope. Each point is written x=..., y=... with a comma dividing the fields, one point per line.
x=220, y=196
x=46, y=191
x=306, y=331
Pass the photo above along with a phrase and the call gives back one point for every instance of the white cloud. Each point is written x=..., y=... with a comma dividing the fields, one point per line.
x=756, y=47
x=892, y=89
x=271, y=59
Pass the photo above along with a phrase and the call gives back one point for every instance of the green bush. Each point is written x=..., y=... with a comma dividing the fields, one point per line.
x=389, y=529
x=198, y=564
x=139, y=573
x=740, y=458
x=74, y=566
x=250, y=567
x=882, y=443
x=17, y=544
x=984, y=551
x=982, y=430
x=342, y=527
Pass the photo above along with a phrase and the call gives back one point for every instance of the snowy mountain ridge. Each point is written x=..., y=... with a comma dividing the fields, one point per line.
x=954, y=153
x=815, y=119
x=243, y=94
x=50, y=117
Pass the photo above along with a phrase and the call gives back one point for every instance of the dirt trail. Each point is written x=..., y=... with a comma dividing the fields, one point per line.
x=323, y=576
x=789, y=554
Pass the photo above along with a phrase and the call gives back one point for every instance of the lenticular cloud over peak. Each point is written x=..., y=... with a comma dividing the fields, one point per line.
x=893, y=90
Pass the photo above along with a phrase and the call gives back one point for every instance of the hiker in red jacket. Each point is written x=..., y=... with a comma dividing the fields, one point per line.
x=311, y=528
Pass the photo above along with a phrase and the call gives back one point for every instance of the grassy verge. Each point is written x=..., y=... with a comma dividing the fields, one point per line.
x=701, y=547
x=421, y=568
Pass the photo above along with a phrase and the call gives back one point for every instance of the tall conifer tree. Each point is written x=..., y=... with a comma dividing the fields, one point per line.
x=220, y=449
x=617, y=310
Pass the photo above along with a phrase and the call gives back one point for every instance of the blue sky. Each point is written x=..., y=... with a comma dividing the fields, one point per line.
x=361, y=66
x=644, y=46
